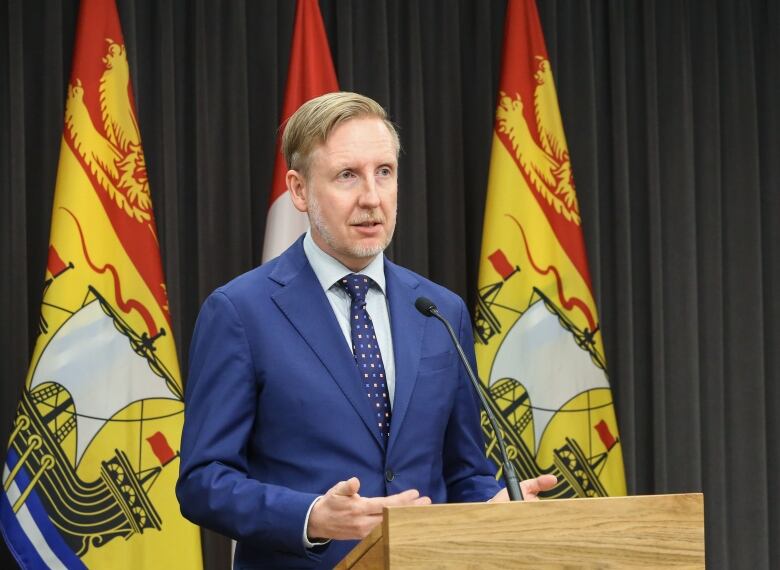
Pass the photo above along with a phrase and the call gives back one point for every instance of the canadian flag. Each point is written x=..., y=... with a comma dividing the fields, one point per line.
x=310, y=74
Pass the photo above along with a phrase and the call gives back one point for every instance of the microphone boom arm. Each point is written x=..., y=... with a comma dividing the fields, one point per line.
x=510, y=477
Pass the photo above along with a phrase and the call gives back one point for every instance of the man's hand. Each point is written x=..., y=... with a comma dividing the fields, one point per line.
x=342, y=514
x=530, y=488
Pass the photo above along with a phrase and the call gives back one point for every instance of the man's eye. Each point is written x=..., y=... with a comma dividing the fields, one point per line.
x=347, y=174
x=385, y=171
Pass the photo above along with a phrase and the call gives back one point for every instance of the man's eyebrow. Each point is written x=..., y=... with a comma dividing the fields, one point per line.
x=352, y=165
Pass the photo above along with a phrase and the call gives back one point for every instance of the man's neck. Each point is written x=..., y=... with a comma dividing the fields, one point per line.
x=354, y=264
x=328, y=269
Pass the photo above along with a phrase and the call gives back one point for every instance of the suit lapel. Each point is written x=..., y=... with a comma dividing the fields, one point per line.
x=407, y=326
x=300, y=297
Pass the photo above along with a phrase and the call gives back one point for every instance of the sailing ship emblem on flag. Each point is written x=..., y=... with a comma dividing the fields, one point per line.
x=544, y=365
x=94, y=367
x=542, y=362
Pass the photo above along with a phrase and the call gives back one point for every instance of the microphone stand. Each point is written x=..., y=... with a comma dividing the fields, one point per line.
x=428, y=308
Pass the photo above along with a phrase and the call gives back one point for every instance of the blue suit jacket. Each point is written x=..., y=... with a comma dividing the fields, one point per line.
x=275, y=412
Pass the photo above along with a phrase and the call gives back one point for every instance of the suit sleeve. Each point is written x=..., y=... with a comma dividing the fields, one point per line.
x=469, y=475
x=214, y=488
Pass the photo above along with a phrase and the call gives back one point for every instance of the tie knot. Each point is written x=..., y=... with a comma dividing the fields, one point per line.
x=356, y=285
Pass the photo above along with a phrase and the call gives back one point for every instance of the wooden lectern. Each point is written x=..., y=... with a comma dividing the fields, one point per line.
x=660, y=531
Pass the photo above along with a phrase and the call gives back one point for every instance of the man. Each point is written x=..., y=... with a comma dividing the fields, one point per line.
x=317, y=393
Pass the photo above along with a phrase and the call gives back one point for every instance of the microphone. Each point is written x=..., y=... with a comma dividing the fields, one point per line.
x=428, y=309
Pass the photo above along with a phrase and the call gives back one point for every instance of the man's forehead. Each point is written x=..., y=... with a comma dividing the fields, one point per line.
x=364, y=139
x=360, y=154
x=362, y=128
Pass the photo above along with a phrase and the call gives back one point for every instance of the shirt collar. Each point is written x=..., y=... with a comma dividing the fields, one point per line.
x=329, y=270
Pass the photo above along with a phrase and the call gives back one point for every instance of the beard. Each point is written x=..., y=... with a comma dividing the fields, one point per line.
x=353, y=250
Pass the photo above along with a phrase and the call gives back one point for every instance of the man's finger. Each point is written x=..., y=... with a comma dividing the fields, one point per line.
x=547, y=482
x=408, y=497
x=542, y=483
x=421, y=501
x=501, y=497
x=347, y=488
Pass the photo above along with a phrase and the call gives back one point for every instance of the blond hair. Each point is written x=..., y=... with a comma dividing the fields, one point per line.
x=313, y=122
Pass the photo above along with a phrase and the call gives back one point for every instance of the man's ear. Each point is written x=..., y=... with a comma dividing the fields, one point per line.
x=297, y=187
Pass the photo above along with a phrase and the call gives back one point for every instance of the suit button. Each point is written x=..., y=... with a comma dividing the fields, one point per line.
x=389, y=475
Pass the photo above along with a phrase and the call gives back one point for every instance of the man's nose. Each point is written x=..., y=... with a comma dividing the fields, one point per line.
x=369, y=197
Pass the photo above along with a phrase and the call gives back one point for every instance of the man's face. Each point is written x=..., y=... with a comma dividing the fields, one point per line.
x=351, y=191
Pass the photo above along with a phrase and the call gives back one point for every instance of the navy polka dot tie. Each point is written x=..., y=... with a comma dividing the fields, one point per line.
x=366, y=350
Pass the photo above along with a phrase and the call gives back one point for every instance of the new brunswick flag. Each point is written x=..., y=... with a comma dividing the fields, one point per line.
x=538, y=340
x=88, y=479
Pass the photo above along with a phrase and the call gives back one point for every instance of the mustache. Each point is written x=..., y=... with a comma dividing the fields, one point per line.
x=367, y=217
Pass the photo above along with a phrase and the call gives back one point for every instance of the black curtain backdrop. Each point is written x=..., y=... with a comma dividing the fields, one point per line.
x=670, y=108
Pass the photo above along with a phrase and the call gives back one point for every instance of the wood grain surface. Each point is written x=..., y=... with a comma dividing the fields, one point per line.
x=661, y=531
